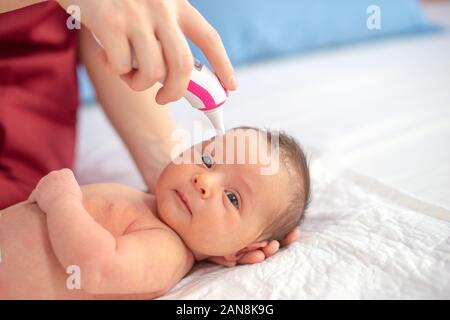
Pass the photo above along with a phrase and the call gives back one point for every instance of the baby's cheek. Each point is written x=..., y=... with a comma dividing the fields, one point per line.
x=230, y=224
x=169, y=176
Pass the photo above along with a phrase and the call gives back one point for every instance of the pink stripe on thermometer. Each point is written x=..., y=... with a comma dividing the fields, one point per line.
x=205, y=92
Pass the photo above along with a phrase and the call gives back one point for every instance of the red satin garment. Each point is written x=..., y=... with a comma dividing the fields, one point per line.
x=38, y=97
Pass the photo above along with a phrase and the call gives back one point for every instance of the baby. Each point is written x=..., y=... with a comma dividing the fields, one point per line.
x=110, y=241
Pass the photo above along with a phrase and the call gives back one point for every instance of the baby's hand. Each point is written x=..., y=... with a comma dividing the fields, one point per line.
x=54, y=187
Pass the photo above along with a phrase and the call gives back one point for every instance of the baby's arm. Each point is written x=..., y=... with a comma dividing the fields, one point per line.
x=144, y=261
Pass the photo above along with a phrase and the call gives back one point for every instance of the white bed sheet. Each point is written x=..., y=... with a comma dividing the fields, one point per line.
x=375, y=120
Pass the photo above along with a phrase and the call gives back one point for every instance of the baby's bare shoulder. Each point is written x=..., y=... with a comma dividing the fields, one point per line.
x=166, y=253
x=113, y=189
x=118, y=195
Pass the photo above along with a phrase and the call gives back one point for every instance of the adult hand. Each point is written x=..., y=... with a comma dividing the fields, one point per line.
x=259, y=254
x=154, y=30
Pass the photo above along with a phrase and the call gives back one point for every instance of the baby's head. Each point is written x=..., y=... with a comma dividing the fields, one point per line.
x=233, y=192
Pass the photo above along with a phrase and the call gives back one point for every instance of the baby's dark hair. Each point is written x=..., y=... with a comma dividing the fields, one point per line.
x=295, y=162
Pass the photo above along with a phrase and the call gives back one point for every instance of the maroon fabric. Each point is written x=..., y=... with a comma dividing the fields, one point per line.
x=38, y=97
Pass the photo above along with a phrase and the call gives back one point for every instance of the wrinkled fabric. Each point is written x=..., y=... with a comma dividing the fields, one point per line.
x=38, y=97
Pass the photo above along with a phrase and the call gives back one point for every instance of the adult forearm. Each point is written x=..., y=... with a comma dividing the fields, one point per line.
x=145, y=127
x=10, y=5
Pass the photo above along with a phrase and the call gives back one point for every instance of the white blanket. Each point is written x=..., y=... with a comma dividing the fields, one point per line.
x=357, y=242
x=375, y=120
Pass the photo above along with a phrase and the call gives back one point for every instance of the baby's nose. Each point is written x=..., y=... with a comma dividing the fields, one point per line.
x=202, y=183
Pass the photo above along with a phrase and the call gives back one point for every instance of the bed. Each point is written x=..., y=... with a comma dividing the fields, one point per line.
x=374, y=119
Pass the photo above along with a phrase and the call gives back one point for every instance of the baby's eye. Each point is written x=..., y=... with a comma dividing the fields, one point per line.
x=207, y=160
x=233, y=199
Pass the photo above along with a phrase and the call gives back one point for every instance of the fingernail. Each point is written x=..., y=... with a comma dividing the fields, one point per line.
x=233, y=82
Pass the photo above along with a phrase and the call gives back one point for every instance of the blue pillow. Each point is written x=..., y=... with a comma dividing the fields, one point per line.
x=255, y=29
x=260, y=29
x=87, y=93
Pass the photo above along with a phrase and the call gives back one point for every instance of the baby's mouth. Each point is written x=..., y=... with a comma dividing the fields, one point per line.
x=184, y=200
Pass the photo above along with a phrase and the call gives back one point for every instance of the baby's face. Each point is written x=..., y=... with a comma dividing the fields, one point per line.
x=215, y=206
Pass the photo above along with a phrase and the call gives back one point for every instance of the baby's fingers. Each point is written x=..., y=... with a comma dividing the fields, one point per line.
x=33, y=196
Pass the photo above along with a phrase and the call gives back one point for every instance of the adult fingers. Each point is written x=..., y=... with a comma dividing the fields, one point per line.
x=222, y=261
x=271, y=248
x=118, y=53
x=196, y=28
x=251, y=257
x=149, y=60
x=291, y=237
x=179, y=62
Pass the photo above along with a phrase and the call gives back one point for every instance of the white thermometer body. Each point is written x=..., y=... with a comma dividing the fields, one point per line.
x=205, y=92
